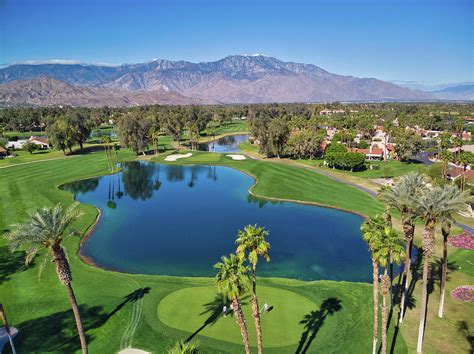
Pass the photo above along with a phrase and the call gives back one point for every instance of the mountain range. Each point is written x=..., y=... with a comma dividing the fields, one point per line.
x=233, y=79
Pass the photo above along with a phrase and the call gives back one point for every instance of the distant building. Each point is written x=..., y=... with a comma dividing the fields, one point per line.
x=468, y=148
x=16, y=144
x=467, y=136
x=43, y=143
x=456, y=172
x=371, y=153
x=328, y=112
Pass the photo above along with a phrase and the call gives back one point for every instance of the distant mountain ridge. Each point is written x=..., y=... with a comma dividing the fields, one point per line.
x=45, y=91
x=460, y=92
x=233, y=79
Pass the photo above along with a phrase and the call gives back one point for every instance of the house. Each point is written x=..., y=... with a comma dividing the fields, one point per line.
x=469, y=120
x=467, y=136
x=3, y=152
x=43, y=143
x=17, y=145
x=468, y=148
x=455, y=172
x=328, y=112
x=371, y=153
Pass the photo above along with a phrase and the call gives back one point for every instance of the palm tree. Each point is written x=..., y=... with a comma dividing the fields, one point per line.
x=46, y=229
x=184, y=347
x=402, y=197
x=232, y=280
x=371, y=231
x=105, y=140
x=251, y=241
x=388, y=247
x=154, y=135
x=116, y=149
x=433, y=206
x=464, y=159
x=453, y=193
x=446, y=156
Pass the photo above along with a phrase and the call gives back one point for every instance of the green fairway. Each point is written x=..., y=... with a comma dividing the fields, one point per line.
x=190, y=309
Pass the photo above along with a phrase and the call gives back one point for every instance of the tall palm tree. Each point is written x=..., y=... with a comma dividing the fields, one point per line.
x=155, y=135
x=105, y=140
x=46, y=229
x=446, y=157
x=371, y=233
x=232, y=280
x=433, y=205
x=387, y=247
x=453, y=193
x=251, y=243
x=402, y=197
x=464, y=159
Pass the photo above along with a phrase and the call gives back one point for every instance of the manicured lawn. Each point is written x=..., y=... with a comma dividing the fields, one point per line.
x=248, y=147
x=232, y=127
x=121, y=310
x=392, y=168
x=22, y=135
x=25, y=156
x=190, y=308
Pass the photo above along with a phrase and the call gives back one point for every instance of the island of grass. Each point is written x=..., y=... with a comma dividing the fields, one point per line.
x=144, y=311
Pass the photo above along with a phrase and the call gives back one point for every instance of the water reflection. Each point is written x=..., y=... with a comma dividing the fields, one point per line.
x=82, y=186
x=139, y=180
x=149, y=211
x=225, y=144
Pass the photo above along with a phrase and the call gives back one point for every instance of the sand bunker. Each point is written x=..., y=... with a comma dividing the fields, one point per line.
x=177, y=156
x=236, y=157
x=133, y=351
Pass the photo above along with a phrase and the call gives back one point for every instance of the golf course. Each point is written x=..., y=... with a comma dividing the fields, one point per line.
x=151, y=312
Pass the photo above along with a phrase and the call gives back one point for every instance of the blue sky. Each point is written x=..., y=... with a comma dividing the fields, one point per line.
x=410, y=40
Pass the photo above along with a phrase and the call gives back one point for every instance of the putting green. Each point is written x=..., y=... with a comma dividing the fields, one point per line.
x=200, y=309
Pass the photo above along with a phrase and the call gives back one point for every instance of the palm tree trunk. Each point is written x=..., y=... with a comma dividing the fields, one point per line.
x=444, y=270
x=428, y=244
x=63, y=272
x=7, y=328
x=391, y=285
x=409, y=230
x=255, y=309
x=375, y=266
x=77, y=317
x=385, y=287
x=239, y=317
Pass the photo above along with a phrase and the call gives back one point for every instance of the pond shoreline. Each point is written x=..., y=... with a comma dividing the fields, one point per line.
x=89, y=232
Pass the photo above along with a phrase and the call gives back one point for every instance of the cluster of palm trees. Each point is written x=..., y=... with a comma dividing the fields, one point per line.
x=413, y=199
x=234, y=276
x=111, y=164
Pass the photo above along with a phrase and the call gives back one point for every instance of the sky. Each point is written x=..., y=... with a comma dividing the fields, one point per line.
x=407, y=40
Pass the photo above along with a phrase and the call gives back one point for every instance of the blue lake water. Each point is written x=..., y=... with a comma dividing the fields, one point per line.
x=179, y=220
x=225, y=144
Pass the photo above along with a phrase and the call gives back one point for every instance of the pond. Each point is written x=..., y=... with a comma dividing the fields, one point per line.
x=179, y=220
x=226, y=144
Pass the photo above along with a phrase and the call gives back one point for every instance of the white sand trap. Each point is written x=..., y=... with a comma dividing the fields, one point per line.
x=133, y=351
x=177, y=156
x=236, y=157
